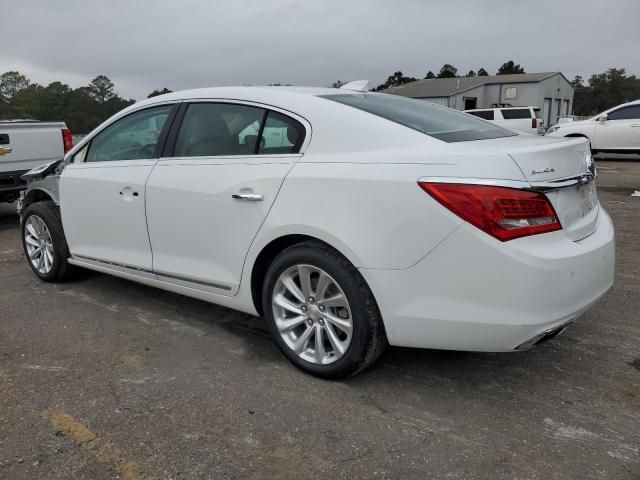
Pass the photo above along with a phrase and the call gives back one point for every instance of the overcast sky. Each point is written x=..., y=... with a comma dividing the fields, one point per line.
x=179, y=44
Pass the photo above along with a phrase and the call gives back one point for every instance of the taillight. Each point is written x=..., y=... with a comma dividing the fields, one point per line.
x=504, y=213
x=533, y=123
x=67, y=139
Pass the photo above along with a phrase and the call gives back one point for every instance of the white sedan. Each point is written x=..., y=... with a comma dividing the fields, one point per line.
x=364, y=219
x=616, y=130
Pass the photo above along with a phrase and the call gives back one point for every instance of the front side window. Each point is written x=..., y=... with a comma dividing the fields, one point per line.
x=486, y=114
x=434, y=120
x=626, y=113
x=212, y=129
x=281, y=134
x=133, y=137
x=515, y=113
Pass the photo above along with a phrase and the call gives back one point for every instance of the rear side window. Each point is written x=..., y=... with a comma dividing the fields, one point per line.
x=486, y=114
x=515, y=113
x=214, y=129
x=626, y=113
x=281, y=134
x=434, y=120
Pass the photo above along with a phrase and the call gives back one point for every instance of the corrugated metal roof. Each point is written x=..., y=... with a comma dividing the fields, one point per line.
x=445, y=87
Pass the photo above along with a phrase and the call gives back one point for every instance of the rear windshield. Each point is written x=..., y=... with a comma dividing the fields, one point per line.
x=515, y=113
x=439, y=122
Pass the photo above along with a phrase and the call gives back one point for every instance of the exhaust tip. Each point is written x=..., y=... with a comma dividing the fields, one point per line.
x=543, y=337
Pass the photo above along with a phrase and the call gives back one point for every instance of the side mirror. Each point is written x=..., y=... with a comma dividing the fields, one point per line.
x=602, y=118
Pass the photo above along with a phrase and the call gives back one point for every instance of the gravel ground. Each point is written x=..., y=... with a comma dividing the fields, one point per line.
x=102, y=378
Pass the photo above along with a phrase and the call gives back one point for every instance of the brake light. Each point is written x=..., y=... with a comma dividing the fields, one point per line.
x=67, y=139
x=533, y=123
x=504, y=213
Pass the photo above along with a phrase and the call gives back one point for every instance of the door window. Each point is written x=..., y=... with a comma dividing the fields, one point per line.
x=626, y=113
x=516, y=113
x=133, y=137
x=281, y=134
x=213, y=129
x=486, y=114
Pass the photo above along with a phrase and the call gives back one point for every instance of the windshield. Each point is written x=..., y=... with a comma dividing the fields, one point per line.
x=439, y=122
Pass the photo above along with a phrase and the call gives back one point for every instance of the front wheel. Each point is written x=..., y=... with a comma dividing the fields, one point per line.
x=44, y=242
x=321, y=312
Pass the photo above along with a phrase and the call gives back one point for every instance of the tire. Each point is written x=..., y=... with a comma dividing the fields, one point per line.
x=46, y=212
x=341, y=353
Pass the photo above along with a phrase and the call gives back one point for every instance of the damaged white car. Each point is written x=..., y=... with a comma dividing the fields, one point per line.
x=347, y=219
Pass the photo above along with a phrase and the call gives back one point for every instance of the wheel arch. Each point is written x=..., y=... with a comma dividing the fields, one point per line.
x=35, y=195
x=269, y=252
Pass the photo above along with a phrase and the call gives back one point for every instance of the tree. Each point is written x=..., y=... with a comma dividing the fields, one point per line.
x=337, y=84
x=156, y=92
x=11, y=83
x=482, y=73
x=470, y=73
x=101, y=89
x=448, y=71
x=509, y=68
x=430, y=75
x=395, y=80
x=577, y=82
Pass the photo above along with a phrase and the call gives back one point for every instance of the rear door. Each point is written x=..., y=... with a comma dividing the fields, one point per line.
x=213, y=188
x=621, y=130
x=102, y=192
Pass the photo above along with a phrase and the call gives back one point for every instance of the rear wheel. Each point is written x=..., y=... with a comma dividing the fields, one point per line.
x=44, y=243
x=320, y=311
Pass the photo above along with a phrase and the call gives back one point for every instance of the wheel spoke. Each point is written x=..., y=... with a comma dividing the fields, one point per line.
x=304, y=272
x=319, y=347
x=301, y=342
x=290, y=285
x=337, y=300
x=321, y=286
x=31, y=229
x=337, y=345
x=283, y=302
x=31, y=241
x=288, y=324
x=35, y=252
x=49, y=253
x=47, y=265
x=341, y=323
x=40, y=260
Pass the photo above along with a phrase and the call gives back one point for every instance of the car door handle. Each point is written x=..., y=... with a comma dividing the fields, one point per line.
x=249, y=197
x=635, y=124
x=5, y=150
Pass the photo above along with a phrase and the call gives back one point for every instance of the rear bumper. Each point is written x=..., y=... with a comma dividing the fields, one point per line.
x=475, y=293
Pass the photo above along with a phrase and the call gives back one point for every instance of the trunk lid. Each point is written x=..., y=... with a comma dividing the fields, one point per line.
x=545, y=160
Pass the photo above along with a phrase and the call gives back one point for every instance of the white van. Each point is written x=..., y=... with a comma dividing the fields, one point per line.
x=523, y=119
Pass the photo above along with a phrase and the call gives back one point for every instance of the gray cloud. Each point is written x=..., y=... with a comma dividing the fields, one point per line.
x=142, y=45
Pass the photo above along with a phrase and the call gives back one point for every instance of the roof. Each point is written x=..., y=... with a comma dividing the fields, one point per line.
x=445, y=87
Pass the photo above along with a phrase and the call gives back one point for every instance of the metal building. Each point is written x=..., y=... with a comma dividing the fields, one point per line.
x=550, y=91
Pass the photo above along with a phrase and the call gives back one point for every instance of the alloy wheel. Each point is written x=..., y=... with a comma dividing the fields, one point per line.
x=39, y=245
x=312, y=314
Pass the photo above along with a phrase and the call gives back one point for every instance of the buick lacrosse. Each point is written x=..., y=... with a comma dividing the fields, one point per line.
x=349, y=220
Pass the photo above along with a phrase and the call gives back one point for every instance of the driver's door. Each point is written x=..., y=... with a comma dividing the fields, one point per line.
x=102, y=192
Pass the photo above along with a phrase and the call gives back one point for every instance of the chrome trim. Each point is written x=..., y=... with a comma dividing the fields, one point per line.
x=154, y=272
x=249, y=197
x=193, y=280
x=543, y=186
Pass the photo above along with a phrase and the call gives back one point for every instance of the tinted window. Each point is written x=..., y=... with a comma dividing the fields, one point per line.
x=133, y=137
x=486, y=114
x=626, y=113
x=439, y=122
x=281, y=134
x=515, y=113
x=211, y=129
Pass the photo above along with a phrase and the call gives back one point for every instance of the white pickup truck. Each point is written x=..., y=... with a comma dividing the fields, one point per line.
x=26, y=144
